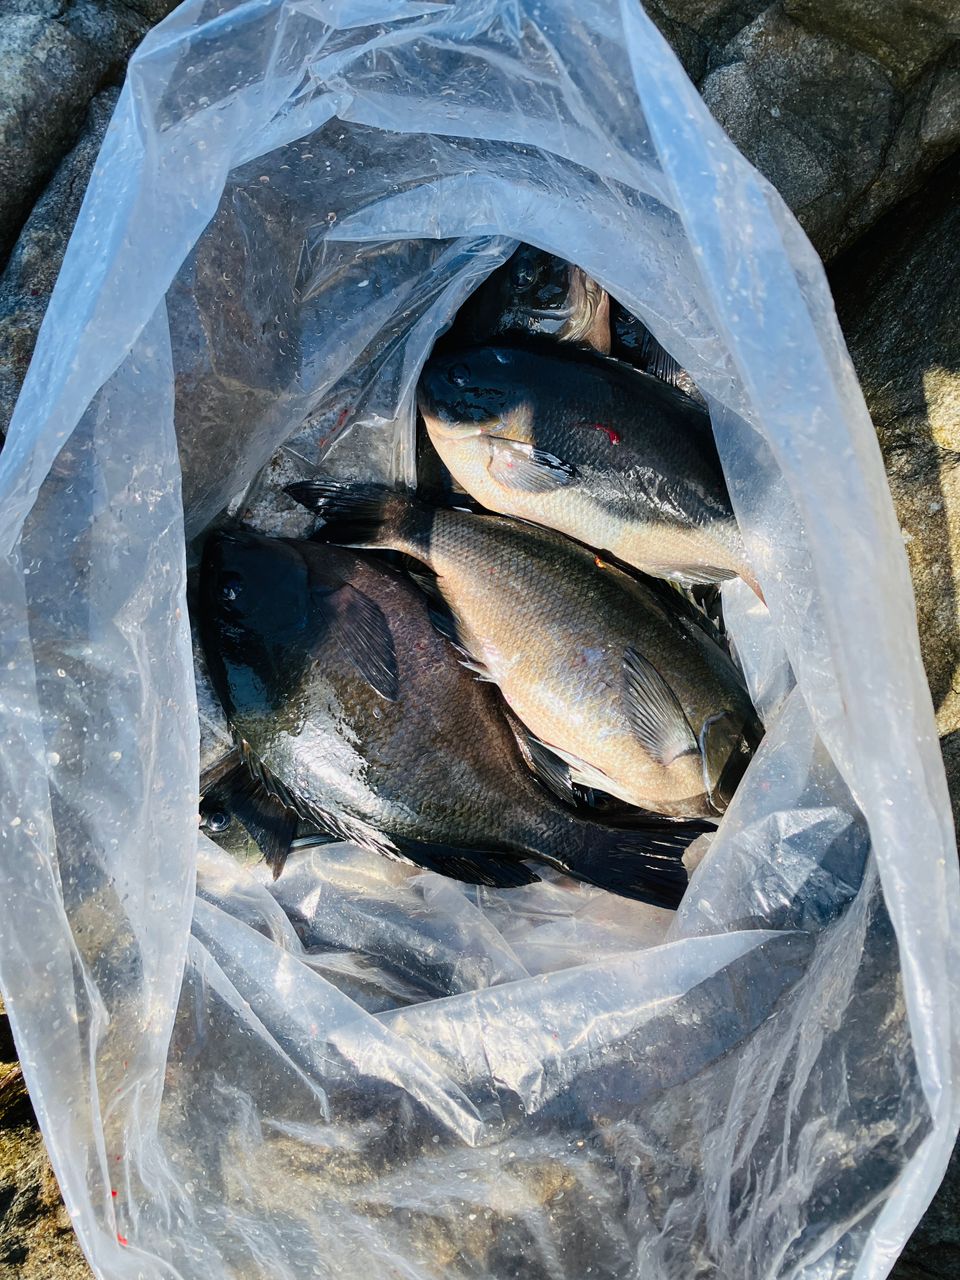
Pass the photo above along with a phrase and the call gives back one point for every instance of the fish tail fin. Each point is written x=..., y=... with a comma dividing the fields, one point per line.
x=747, y=575
x=355, y=515
x=643, y=862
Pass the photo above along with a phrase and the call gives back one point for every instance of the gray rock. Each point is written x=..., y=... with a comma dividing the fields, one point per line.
x=695, y=28
x=844, y=114
x=903, y=36
x=44, y=72
x=898, y=299
x=53, y=59
x=31, y=272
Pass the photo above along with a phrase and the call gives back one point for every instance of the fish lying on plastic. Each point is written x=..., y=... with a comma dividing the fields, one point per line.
x=591, y=447
x=353, y=713
x=534, y=295
x=538, y=295
x=630, y=691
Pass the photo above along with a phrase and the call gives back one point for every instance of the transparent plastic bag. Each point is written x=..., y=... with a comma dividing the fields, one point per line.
x=361, y=1070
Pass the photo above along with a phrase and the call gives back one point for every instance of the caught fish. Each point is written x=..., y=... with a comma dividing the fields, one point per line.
x=592, y=448
x=628, y=690
x=354, y=714
x=538, y=295
x=633, y=342
x=244, y=819
x=534, y=295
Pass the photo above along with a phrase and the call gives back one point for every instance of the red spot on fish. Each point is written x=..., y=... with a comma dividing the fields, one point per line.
x=114, y=1194
x=122, y=1239
x=612, y=435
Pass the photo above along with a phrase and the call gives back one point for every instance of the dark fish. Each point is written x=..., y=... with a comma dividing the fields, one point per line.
x=603, y=670
x=591, y=447
x=633, y=342
x=535, y=295
x=242, y=817
x=353, y=713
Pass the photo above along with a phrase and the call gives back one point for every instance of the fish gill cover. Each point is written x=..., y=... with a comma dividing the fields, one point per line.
x=358, y=1070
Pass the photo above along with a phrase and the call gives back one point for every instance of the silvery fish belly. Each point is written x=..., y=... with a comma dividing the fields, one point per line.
x=617, y=678
x=352, y=712
x=591, y=447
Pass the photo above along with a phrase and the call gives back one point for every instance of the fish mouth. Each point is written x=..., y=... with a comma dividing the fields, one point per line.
x=719, y=732
x=452, y=429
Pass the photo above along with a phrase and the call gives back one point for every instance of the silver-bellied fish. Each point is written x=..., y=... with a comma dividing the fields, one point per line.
x=533, y=295
x=353, y=713
x=591, y=447
x=605, y=671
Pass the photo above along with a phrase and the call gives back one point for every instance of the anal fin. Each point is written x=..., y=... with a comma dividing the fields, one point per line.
x=546, y=766
x=472, y=866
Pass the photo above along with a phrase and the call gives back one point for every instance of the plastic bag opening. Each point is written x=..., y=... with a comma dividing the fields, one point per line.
x=358, y=1070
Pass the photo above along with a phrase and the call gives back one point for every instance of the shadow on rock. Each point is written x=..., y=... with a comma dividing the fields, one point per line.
x=898, y=299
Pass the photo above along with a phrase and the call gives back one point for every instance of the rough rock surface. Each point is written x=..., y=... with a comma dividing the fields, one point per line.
x=54, y=57
x=31, y=272
x=898, y=300
x=845, y=106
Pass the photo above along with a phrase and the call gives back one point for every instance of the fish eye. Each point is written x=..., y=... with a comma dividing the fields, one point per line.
x=230, y=586
x=459, y=375
x=523, y=275
x=217, y=821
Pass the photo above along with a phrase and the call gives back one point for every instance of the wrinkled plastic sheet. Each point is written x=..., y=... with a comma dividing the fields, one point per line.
x=361, y=1070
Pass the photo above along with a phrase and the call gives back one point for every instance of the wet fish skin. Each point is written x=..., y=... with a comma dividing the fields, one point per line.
x=533, y=295
x=353, y=712
x=537, y=295
x=633, y=342
x=592, y=448
x=630, y=691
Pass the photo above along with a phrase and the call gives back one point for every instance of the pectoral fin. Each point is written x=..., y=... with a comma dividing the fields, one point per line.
x=525, y=468
x=655, y=713
x=363, y=633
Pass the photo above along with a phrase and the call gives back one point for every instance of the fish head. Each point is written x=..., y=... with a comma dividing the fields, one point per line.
x=254, y=597
x=540, y=284
x=727, y=744
x=466, y=394
x=556, y=299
